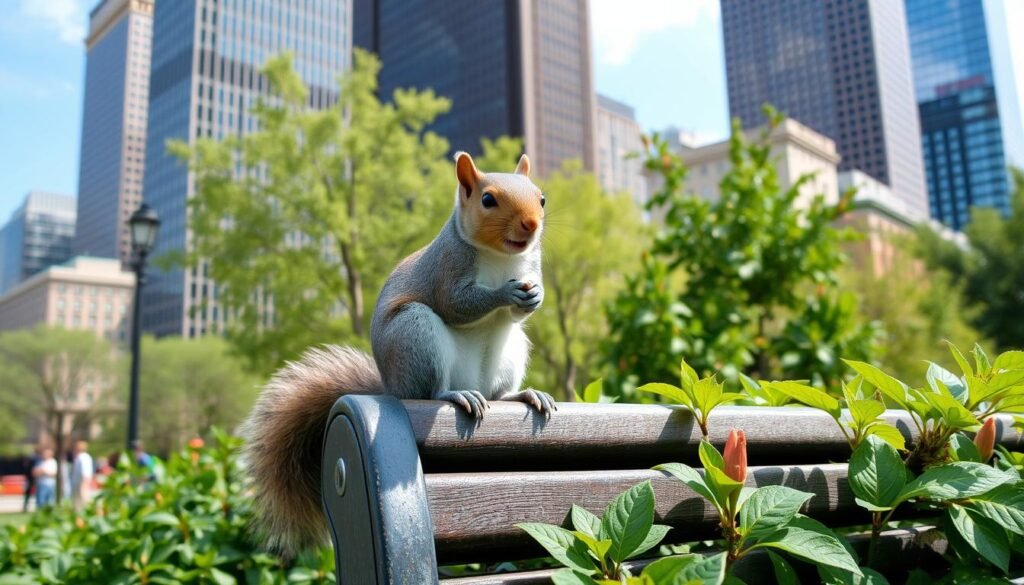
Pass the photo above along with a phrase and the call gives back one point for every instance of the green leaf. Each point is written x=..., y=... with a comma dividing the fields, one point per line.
x=562, y=545
x=890, y=387
x=811, y=541
x=693, y=479
x=592, y=392
x=707, y=570
x=981, y=360
x=1009, y=360
x=628, y=519
x=668, y=571
x=864, y=412
x=161, y=518
x=675, y=395
x=963, y=449
x=707, y=394
x=960, y=360
x=221, y=578
x=809, y=396
x=887, y=433
x=654, y=537
x=784, y=573
x=1004, y=506
x=709, y=456
x=768, y=509
x=983, y=535
x=876, y=473
x=687, y=375
x=714, y=472
x=585, y=521
x=833, y=576
x=955, y=385
x=955, y=481
x=570, y=577
x=599, y=547
x=951, y=410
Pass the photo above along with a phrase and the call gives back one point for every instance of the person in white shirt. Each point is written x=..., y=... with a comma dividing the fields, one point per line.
x=81, y=476
x=45, y=473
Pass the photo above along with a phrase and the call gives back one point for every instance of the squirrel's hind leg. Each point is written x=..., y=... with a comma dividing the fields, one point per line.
x=418, y=358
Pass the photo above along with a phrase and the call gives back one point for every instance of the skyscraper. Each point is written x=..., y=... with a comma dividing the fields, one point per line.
x=37, y=236
x=963, y=113
x=618, y=136
x=840, y=67
x=510, y=67
x=113, y=126
x=205, y=78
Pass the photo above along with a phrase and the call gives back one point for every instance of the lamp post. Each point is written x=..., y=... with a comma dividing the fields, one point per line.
x=143, y=225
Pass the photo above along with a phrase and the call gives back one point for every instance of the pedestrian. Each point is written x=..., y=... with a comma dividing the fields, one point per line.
x=144, y=460
x=81, y=476
x=30, y=478
x=45, y=473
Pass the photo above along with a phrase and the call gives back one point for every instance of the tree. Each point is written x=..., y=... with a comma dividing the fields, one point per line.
x=590, y=239
x=300, y=222
x=61, y=377
x=187, y=387
x=990, y=270
x=751, y=260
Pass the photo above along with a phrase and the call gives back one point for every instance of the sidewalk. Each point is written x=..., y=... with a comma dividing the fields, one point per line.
x=12, y=504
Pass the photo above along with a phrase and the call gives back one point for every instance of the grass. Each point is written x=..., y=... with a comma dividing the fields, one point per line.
x=16, y=518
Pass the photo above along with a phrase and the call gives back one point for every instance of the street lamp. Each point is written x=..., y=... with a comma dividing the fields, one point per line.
x=143, y=225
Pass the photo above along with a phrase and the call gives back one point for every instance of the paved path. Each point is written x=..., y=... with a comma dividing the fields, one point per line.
x=9, y=504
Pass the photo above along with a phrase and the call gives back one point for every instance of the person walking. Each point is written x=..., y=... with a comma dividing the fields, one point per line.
x=45, y=473
x=81, y=476
x=30, y=478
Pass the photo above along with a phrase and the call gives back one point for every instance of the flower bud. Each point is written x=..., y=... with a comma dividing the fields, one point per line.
x=196, y=443
x=736, y=456
x=985, y=440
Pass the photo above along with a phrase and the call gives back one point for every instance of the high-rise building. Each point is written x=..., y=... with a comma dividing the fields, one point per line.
x=37, y=236
x=840, y=67
x=618, y=137
x=113, y=126
x=510, y=67
x=205, y=78
x=967, y=113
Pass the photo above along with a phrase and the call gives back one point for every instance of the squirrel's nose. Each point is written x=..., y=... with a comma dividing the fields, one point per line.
x=529, y=224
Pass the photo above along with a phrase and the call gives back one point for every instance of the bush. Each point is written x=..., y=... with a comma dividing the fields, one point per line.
x=190, y=525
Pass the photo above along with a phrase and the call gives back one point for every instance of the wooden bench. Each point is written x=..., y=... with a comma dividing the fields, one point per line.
x=414, y=485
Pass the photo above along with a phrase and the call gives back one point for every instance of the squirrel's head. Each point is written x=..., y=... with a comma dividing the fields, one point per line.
x=503, y=212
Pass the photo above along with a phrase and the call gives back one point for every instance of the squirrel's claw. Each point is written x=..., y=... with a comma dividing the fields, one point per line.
x=472, y=401
x=542, y=402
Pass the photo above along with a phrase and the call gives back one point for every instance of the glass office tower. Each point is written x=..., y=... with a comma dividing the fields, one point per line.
x=961, y=130
x=205, y=78
x=840, y=67
x=113, y=126
x=511, y=67
x=37, y=236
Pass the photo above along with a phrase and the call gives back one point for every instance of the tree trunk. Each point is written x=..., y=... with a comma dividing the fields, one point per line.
x=569, y=384
x=355, y=291
x=762, y=355
x=58, y=439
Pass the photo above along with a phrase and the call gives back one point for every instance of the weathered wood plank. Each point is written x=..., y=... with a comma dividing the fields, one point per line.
x=619, y=436
x=474, y=514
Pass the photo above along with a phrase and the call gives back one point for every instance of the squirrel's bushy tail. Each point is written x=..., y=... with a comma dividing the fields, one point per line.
x=284, y=441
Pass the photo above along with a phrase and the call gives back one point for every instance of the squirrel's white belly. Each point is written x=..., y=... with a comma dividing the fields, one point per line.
x=490, y=359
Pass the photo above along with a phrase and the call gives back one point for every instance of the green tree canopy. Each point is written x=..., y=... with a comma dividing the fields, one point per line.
x=300, y=221
x=748, y=261
x=187, y=387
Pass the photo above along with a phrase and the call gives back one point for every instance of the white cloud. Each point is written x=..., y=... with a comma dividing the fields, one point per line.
x=68, y=18
x=618, y=25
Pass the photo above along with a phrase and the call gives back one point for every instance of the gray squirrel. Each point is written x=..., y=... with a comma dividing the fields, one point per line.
x=447, y=326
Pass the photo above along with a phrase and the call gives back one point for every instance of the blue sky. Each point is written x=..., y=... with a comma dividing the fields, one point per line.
x=664, y=58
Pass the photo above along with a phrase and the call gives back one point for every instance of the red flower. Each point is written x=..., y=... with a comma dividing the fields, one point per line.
x=736, y=456
x=196, y=443
x=986, y=439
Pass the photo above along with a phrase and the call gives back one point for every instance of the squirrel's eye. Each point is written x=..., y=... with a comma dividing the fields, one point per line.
x=543, y=200
x=489, y=201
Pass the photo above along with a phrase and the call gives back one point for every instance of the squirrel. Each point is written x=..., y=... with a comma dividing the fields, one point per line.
x=447, y=326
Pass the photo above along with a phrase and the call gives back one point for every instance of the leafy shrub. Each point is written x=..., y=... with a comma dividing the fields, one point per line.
x=191, y=525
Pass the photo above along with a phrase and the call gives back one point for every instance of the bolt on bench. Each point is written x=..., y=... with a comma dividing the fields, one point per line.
x=412, y=485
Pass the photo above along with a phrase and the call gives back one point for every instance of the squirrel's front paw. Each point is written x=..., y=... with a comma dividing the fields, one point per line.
x=541, y=401
x=471, y=401
x=525, y=295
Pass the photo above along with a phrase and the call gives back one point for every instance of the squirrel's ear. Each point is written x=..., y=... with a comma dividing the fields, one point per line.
x=523, y=168
x=466, y=171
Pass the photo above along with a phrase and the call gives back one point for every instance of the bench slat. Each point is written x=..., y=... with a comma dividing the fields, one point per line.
x=626, y=436
x=474, y=514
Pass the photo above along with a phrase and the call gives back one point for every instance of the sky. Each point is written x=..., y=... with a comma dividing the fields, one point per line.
x=664, y=60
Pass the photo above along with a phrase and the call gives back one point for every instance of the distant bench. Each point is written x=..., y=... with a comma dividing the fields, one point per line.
x=409, y=486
